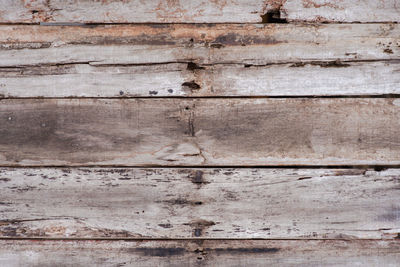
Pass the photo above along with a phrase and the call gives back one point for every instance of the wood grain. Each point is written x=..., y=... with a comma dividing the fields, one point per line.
x=199, y=60
x=131, y=11
x=202, y=132
x=22, y=45
x=187, y=11
x=207, y=252
x=207, y=203
x=180, y=181
x=341, y=11
x=189, y=80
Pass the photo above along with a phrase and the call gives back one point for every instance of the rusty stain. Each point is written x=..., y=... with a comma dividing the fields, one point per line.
x=139, y=35
x=312, y=4
x=239, y=39
x=273, y=4
x=41, y=11
x=171, y=10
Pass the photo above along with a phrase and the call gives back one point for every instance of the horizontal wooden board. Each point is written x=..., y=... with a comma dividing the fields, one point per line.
x=207, y=252
x=201, y=132
x=22, y=45
x=187, y=11
x=341, y=11
x=131, y=11
x=205, y=203
x=189, y=80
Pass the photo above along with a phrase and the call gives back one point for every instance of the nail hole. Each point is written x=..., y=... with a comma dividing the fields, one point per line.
x=193, y=66
x=192, y=85
x=273, y=16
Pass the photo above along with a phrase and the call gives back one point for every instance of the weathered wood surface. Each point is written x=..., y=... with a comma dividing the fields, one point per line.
x=193, y=253
x=188, y=11
x=199, y=60
x=208, y=203
x=132, y=11
x=23, y=45
x=188, y=80
x=187, y=132
x=317, y=208
x=341, y=11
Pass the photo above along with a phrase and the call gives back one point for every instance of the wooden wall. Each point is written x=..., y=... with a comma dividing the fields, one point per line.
x=211, y=133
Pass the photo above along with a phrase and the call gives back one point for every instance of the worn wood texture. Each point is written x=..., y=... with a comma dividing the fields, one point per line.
x=200, y=253
x=341, y=11
x=208, y=203
x=187, y=132
x=188, y=80
x=23, y=45
x=310, y=216
x=188, y=11
x=199, y=60
x=131, y=11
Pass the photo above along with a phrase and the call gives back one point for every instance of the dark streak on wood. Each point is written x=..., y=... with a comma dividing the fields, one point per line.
x=201, y=252
x=255, y=250
x=177, y=132
x=159, y=252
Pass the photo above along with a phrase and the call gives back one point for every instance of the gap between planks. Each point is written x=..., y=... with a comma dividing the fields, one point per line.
x=208, y=97
x=143, y=239
x=377, y=167
x=188, y=23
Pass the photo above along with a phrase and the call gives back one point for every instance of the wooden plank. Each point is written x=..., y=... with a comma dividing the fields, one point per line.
x=187, y=11
x=188, y=132
x=207, y=252
x=178, y=79
x=24, y=45
x=131, y=11
x=207, y=203
x=341, y=11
